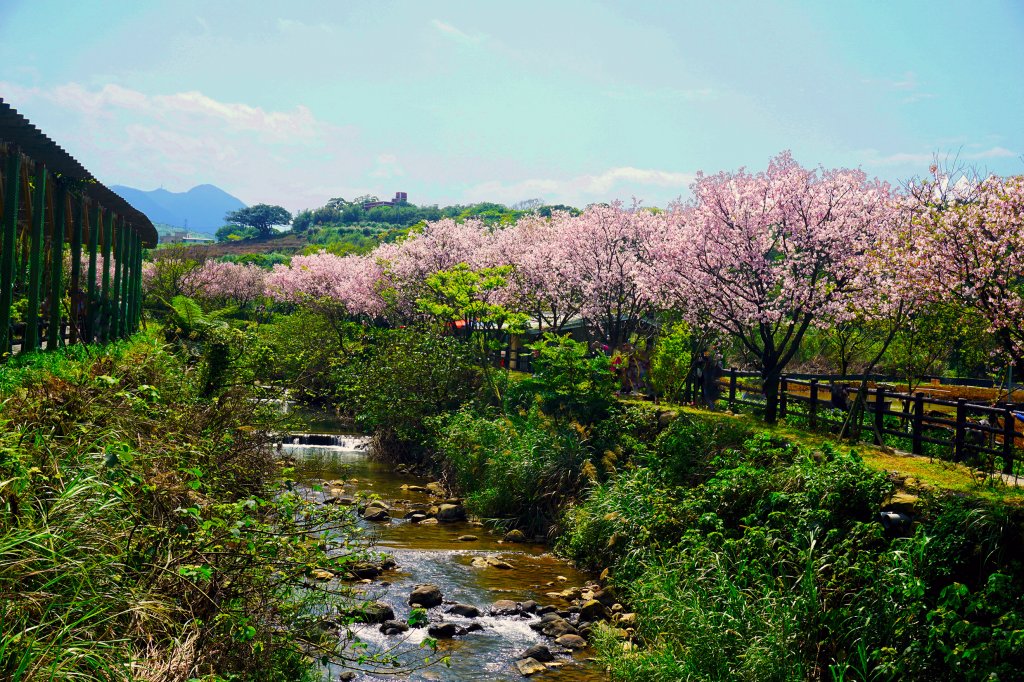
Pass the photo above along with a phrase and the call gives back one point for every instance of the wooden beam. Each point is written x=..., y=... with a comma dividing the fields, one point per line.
x=8, y=245
x=35, y=262
x=117, y=252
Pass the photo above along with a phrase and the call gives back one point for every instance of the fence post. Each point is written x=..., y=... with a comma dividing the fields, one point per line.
x=879, y=414
x=30, y=341
x=918, y=424
x=12, y=185
x=814, y=404
x=92, y=305
x=1009, y=436
x=54, y=335
x=732, y=389
x=75, y=317
x=961, y=427
x=783, y=388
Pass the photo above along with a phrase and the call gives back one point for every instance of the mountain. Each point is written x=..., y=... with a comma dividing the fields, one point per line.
x=203, y=206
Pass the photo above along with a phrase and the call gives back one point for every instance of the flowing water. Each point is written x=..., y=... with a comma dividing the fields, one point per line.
x=433, y=554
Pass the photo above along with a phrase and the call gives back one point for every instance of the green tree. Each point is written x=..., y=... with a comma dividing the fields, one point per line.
x=261, y=217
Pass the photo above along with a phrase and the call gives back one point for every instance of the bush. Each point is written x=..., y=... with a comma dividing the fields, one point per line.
x=568, y=384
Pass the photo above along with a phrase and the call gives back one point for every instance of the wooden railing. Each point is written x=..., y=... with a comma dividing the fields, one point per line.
x=960, y=429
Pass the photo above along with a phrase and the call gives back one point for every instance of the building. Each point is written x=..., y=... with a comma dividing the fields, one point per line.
x=400, y=199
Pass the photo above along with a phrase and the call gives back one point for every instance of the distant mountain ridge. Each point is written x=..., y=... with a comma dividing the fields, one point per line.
x=202, y=208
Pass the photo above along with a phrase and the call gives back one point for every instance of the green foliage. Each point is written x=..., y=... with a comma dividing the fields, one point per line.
x=404, y=377
x=746, y=557
x=143, y=529
x=208, y=340
x=568, y=384
x=261, y=218
x=520, y=468
x=671, y=361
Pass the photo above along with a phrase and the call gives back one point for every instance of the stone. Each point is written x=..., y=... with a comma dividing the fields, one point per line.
x=321, y=574
x=504, y=607
x=514, y=535
x=435, y=488
x=557, y=628
x=546, y=609
x=365, y=570
x=529, y=666
x=472, y=627
x=538, y=652
x=394, y=627
x=416, y=489
x=443, y=630
x=347, y=501
x=570, y=641
x=372, y=612
x=626, y=620
x=494, y=562
x=468, y=538
x=593, y=611
x=428, y=522
x=418, y=517
x=347, y=676
x=449, y=513
x=376, y=511
x=464, y=610
x=605, y=595
x=426, y=595
x=529, y=606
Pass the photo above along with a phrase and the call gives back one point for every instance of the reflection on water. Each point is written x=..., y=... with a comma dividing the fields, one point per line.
x=434, y=554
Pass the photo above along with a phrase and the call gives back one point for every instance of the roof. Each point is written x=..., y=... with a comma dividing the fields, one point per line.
x=16, y=129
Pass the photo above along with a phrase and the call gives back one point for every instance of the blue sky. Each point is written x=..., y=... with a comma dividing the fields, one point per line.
x=293, y=103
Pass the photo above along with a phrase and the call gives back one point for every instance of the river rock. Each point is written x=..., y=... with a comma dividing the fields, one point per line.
x=464, y=610
x=546, y=609
x=321, y=574
x=426, y=596
x=557, y=628
x=472, y=627
x=394, y=627
x=514, y=535
x=415, y=489
x=529, y=666
x=435, y=488
x=468, y=538
x=376, y=511
x=372, y=612
x=443, y=630
x=626, y=620
x=347, y=676
x=538, y=652
x=451, y=512
x=529, y=606
x=365, y=570
x=594, y=610
x=504, y=607
x=428, y=522
x=417, y=517
x=605, y=595
x=570, y=641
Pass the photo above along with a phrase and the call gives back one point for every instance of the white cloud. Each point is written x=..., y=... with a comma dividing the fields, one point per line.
x=614, y=183
x=457, y=35
x=872, y=157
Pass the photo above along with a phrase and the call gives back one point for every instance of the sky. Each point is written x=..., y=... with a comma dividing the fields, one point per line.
x=293, y=103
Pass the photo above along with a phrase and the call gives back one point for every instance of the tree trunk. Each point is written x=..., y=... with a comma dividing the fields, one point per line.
x=771, y=380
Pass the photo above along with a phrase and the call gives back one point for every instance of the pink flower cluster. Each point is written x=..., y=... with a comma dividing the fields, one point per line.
x=228, y=283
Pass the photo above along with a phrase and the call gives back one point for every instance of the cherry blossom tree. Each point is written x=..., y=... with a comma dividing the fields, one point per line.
x=225, y=283
x=763, y=256
x=336, y=286
x=608, y=251
x=966, y=241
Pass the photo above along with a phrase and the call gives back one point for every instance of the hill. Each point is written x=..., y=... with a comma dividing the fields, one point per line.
x=202, y=208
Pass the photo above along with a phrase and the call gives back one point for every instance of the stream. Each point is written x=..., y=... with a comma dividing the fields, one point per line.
x=433, y=553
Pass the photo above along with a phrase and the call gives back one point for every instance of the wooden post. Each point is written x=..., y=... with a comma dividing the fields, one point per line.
x=732, y=389
x=35, y=262
x=75, y=321
x=54, y=337
x=116, y=298
x=92, y=303
x=129, y=282
x=12, y=185
x=879, y=415
x=918, y=424
x=813, y=405
x=1009, y=438
x=783, y=389
x=137, y=312
x=105, y=291
x=961, y=428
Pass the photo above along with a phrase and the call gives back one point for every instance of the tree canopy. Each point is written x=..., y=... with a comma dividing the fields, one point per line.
x=262, y=218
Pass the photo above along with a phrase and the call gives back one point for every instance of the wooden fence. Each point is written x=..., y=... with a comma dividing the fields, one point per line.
x=959, y=429
x=70, y=249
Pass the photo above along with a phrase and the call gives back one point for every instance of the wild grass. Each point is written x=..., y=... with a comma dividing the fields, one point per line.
x=143, y=531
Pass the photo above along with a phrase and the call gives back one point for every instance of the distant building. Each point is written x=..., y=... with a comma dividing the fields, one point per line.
x=400, y=199
x=184, y=237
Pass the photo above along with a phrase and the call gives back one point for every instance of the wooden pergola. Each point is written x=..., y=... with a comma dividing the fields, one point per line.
x=71, y=249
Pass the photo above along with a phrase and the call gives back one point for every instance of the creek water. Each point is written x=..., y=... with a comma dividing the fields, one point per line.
x=432, y=553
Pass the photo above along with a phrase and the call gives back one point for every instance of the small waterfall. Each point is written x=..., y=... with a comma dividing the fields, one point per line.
x=345, y=441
